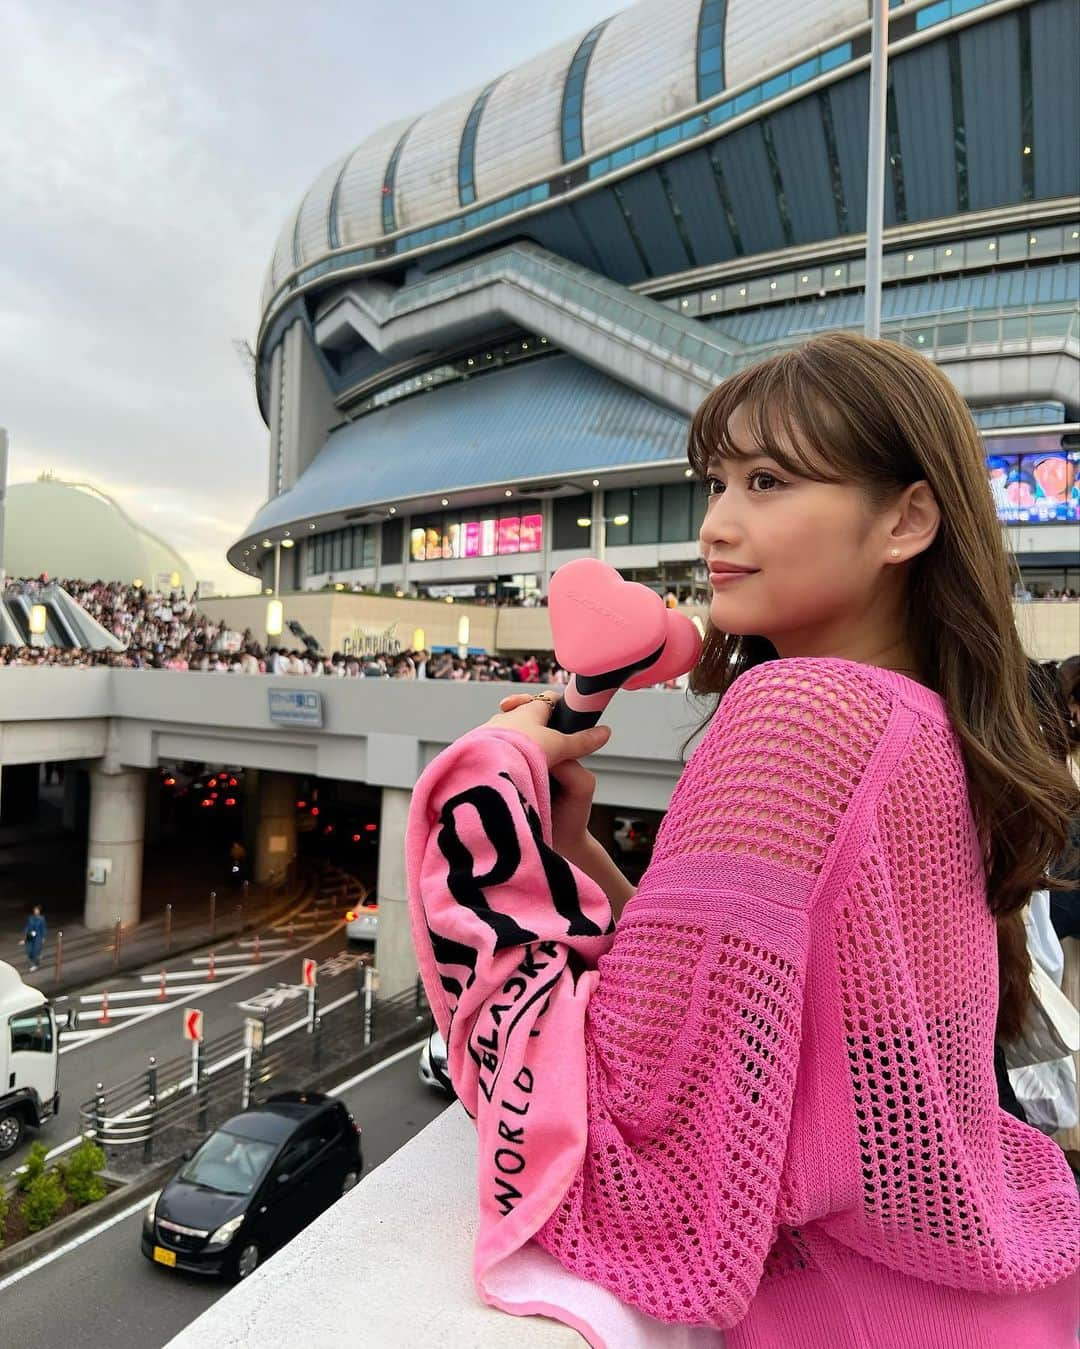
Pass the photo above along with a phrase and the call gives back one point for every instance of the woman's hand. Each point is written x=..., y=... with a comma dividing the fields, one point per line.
x=571, y=808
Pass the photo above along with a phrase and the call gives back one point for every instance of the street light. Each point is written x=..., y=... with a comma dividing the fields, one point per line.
x=586, y=520
x=463, y=636
x=37, y=625
x=275, y=618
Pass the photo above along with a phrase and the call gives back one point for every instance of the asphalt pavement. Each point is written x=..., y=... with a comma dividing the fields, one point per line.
x=104, y=1292
x=141, y=1023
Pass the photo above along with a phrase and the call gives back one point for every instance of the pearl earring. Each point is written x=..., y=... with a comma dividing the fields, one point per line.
x=894, y=552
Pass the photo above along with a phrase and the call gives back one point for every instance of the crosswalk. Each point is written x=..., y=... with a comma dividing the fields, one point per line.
x=192, y=976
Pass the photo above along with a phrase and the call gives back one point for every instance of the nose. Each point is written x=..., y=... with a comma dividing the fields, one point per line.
x=719, y=525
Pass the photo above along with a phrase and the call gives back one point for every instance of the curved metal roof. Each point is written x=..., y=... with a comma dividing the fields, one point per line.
x=546, y=418
x=594, y=92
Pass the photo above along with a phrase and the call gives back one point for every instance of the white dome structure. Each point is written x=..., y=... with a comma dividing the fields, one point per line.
x=71, y=529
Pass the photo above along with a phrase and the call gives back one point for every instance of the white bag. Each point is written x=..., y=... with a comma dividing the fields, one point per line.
x=1052, y=1029
x=1047, y=1092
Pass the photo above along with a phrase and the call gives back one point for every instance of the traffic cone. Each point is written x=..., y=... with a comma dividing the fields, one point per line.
x=210, y=971
x=163, y=992
x=103, y=1019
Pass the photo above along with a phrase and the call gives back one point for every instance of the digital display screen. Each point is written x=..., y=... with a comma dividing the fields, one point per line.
x=532, y=528
x=441, y=538
x=1038, y=486
x=509, y=534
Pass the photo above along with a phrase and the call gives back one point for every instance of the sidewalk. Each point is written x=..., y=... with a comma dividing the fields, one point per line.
x=88, y=956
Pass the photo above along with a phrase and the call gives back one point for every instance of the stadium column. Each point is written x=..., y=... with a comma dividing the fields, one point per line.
x=114, y=851
x=394, y=956
x=275, y=834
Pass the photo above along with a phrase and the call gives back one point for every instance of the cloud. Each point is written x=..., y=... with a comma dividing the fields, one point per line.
x=151, y=152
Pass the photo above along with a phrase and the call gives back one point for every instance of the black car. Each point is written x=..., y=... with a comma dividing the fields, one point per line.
x=253, y=1184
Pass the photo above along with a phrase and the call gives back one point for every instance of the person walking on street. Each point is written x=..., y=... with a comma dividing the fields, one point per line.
x=34, y=936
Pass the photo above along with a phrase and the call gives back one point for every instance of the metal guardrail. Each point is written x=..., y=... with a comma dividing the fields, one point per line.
x=227, y=914
x=162, y=1108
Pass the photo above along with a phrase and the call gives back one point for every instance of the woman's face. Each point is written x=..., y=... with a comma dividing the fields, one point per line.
x=814, y=549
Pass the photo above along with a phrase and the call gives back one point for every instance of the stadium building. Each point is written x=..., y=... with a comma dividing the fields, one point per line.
x=484, y=328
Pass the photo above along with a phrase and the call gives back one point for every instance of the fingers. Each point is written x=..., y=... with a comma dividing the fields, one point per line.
x=580, y=744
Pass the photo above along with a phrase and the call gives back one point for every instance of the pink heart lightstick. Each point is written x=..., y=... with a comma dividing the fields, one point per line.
x=611, y=634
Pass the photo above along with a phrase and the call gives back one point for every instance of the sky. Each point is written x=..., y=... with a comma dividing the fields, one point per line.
x=149, y=154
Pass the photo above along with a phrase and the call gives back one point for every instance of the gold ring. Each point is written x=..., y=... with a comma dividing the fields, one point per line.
x=544, y=697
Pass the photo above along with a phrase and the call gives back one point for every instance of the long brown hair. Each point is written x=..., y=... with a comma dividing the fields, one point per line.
x=877, y=415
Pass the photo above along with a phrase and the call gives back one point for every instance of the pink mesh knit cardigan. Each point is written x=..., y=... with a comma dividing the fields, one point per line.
x=761, y=1111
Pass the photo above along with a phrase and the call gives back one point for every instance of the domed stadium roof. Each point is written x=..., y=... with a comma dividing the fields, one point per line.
x=490, y=150
x=72, y=530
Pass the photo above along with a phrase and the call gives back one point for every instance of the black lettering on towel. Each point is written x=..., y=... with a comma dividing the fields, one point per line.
x=461, y=878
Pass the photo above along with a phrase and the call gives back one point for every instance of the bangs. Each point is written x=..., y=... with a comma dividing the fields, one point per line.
x=787, y=420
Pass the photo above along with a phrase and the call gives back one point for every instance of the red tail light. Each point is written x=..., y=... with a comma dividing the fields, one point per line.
x=350, y=917
x=356, y=838
x=315, y=810
x=230, y=800
x=370, y=828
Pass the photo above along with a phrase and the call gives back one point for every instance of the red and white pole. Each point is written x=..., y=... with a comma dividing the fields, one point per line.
x=163, y=991
x=210, y=971
x=103, y=1019
x=258, y=953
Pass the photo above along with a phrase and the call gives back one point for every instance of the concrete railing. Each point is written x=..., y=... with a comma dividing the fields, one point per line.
x=389, y=1264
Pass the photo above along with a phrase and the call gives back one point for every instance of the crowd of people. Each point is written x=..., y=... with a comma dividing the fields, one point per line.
x=167, y=632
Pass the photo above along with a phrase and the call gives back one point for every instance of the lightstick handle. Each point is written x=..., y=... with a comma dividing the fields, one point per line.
x=577, y=711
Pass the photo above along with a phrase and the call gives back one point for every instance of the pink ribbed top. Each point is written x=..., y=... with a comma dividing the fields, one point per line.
x=764, y=1103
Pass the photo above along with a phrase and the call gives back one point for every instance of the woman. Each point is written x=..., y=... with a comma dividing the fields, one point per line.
x=761, y=1109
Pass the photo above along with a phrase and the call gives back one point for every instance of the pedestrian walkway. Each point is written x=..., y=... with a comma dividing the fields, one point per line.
x=80, y=957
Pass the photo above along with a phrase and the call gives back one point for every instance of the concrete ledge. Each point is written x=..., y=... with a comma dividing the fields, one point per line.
x=390, y=1264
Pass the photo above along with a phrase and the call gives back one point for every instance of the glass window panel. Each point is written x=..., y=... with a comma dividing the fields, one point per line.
x=1014, y=329
x=836, y=56
x=1049, y=325
x=710, y=62
x=809, y=280
x=984, y=330
x=779, y=84
x=919, y=260
x=952, y=334
x=368, y=547
x=669, y=136
x=948, y=257
x=807, y=70
x=750, y=99
x=932, y=14
x=336, y=551
x=645, y=515
x=711, y=85
x=676, y=503
x=711, y=35
x=1011, y=247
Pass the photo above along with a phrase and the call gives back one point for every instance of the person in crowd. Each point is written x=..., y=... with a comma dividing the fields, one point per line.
x=753, y=1101
x=34, y=936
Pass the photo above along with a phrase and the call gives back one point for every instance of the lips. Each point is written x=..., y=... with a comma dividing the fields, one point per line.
x=730, y=568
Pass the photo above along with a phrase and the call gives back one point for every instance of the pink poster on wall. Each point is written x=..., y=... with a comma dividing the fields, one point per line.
x=487, y=538
x=531, y=533
x=509, y=532
x=472, y=538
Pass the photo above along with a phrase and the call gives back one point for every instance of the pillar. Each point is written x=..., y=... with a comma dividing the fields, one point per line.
x=114, y=850
x=395, y=958
x=275, y=833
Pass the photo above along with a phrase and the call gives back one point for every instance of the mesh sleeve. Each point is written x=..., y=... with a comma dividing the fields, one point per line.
x=693, y=1032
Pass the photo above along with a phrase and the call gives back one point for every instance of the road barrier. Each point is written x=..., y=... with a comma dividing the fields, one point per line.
x=163, y=1109
x=189, y=925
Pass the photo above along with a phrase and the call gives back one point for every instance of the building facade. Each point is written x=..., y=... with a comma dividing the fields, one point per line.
x=484, y=330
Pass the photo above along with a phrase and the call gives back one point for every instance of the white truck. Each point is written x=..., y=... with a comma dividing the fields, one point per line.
x=29, y=1059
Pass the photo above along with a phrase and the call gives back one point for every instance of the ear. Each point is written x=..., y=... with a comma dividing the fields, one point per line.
x=915, y=520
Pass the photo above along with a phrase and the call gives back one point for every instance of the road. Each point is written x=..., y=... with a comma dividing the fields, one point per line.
x=141, y=1024
x=104, y=1292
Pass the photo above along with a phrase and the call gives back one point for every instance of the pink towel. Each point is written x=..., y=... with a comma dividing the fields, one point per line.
x=765, y=1104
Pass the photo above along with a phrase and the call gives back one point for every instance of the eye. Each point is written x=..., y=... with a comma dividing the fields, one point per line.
x=766, y=481
x=712, y=487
